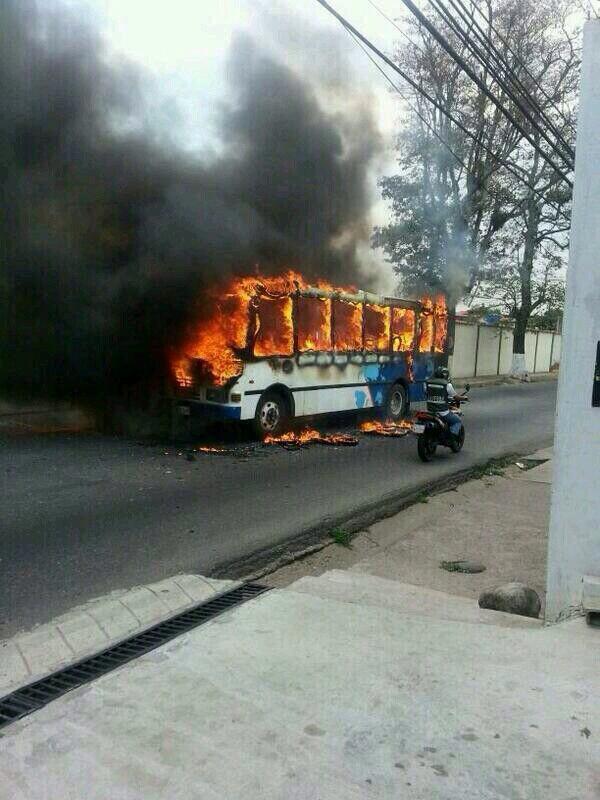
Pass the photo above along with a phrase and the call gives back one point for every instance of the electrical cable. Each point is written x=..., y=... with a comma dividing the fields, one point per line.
x=512, y=169
x=487, y=42
x=519, y=61
x=441, y=39
x=568, y=155
x=415, y=110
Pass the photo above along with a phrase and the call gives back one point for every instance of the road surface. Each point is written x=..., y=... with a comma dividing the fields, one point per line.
x=83, y=515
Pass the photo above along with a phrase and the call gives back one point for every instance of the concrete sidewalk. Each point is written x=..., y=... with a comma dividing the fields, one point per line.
x=351, y=682
x=352, y=687
x=499, y=519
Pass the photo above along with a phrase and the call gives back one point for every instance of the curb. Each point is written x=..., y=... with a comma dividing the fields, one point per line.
x=97, y=625
x=499, y=380
x=317, y=537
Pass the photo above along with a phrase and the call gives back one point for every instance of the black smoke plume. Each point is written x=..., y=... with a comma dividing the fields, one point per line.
x=109, y=233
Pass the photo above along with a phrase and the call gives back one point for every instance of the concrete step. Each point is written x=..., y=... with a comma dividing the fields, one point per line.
x=296, y=696
x=404, y=598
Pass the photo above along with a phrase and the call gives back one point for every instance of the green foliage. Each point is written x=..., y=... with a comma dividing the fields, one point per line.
x=341, y=537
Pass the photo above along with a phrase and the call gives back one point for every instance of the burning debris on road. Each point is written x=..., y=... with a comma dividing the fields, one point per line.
x=377, y=428
x=296, y=439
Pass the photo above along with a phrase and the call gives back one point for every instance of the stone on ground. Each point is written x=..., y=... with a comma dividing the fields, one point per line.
x=513, y=598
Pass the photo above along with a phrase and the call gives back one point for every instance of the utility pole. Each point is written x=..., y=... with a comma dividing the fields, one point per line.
x=574, y=538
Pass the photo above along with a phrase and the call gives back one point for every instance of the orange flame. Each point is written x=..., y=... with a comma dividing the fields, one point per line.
x=403, y=329
x=347, y=326
x=309, y=436
x=433, y=324
x=377, y=327
x=426, y=326
x=440, y=314
x=259, y=316
x=275, y=328
x=314, y=323
x=376, y=428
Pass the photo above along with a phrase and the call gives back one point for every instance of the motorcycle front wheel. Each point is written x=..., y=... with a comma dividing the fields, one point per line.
x=426, y=448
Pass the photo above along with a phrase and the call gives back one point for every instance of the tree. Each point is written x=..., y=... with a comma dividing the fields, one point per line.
x=461, y=220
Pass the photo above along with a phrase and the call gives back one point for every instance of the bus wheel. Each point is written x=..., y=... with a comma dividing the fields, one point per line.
x=272, y=415
x=397, y=404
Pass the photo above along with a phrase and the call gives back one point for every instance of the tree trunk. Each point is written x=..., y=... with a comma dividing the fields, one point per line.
x=518, y=368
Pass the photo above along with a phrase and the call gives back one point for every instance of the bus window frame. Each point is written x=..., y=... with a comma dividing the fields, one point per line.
x=415, y=337
x=249, y=355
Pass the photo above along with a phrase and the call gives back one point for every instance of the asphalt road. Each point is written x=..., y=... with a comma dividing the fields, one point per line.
x=83, y=515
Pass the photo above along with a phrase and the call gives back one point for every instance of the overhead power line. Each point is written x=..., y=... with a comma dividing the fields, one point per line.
x=501, y=63
x=509, y=82
x=512, y=74
x=395, y=24
x=420, y=90
x=413, y=108
x=441, y=39
x=520, y=61
x=445, y=143
x=512, y=169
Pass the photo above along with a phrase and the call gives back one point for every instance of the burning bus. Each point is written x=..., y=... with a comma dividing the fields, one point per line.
x=276, y=349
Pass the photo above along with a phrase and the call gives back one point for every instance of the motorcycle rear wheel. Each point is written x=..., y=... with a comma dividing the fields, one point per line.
x=457, y=443
x=426, y=448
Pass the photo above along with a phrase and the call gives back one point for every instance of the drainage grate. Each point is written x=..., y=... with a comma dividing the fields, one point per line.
x=23, y=701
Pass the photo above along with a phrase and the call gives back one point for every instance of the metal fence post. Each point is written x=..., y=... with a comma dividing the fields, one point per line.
x=537, y=339
x=476, y=353
x=499, y=349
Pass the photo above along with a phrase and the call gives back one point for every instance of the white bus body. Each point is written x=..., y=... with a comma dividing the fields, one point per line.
x=318, y=382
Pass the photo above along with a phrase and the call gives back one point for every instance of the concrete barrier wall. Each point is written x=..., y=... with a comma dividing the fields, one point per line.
x=465, y=348
x=530, y=341
x=487, y=353
x=556, y=351
x=486, y=350
x=506, y=347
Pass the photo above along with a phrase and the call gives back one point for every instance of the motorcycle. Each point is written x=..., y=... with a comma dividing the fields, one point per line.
x=432, y=430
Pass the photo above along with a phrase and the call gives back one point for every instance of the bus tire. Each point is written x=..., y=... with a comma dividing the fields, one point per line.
x=397, y=403
x=272, y=415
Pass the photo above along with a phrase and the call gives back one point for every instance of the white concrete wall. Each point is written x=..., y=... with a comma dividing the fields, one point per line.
x=574, y=540
x=556, y=350
x=530, y=338
x=463, y=359
x=542, y=362
x=487, y=356
x=477, y=354
x=506, y=351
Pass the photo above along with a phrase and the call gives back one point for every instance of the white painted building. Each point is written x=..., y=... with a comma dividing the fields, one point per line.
x=574, y=543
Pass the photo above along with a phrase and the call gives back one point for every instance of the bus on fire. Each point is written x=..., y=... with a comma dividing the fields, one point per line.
x=272, y=350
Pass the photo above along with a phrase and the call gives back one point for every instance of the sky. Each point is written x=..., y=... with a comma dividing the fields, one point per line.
x=183, y=45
